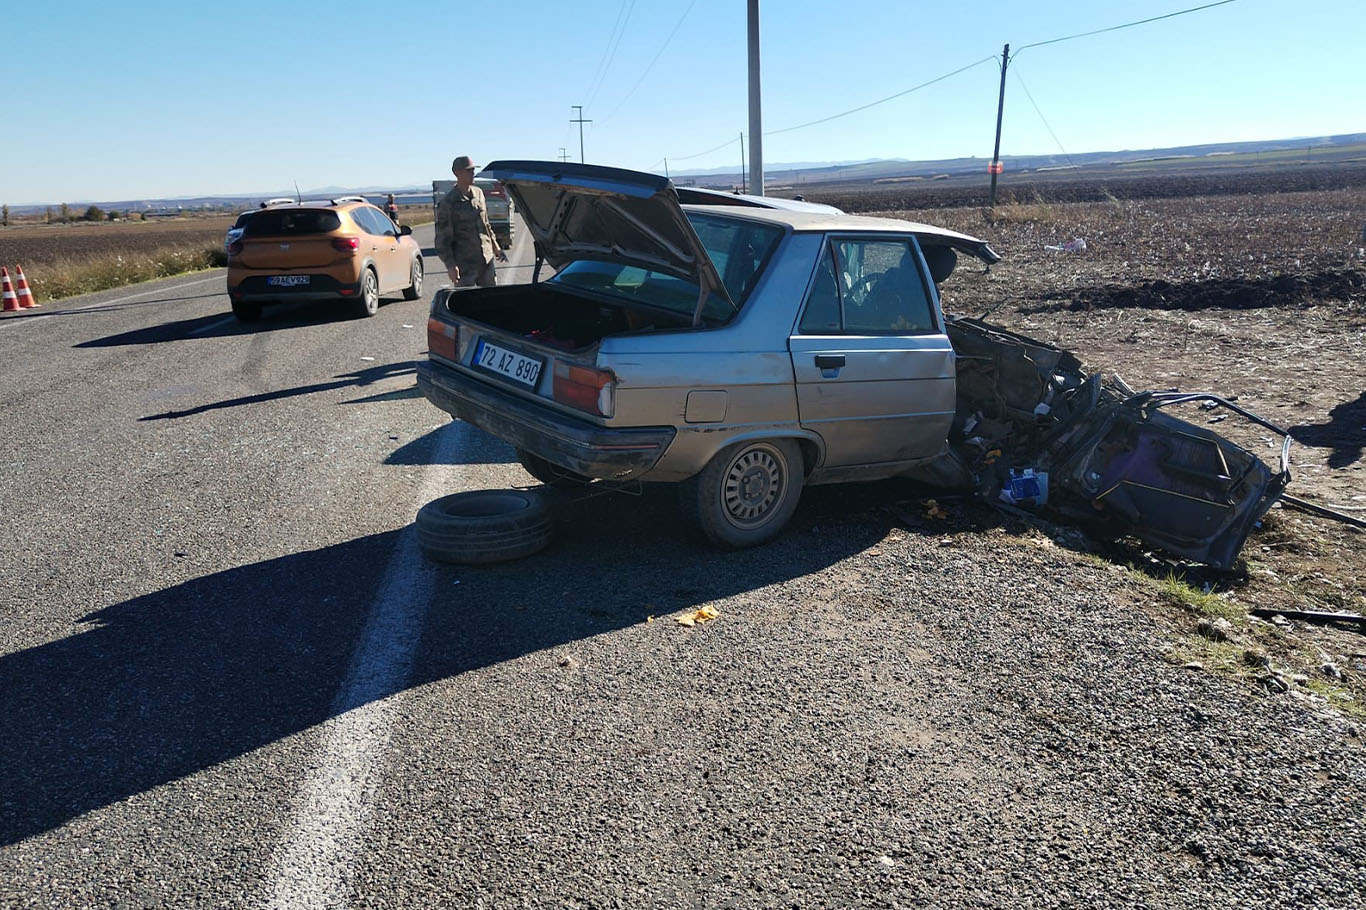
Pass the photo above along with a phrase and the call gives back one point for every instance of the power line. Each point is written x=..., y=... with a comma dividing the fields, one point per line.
x=613, y=44
x=1115, y=28
x=707, y=152
x=969, y=66
x=1018, y=79
x=788, y=129
x=652, y=63
x=611, y=36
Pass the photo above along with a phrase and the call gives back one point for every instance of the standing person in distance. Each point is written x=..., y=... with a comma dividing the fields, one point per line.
x=391, y=208
x=464, y=238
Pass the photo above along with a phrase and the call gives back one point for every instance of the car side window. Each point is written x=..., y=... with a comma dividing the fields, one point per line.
x=884, y=289
x=372, y=221
x=822, y=313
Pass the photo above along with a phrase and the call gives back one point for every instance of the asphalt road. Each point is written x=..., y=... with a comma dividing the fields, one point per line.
x=227, y=678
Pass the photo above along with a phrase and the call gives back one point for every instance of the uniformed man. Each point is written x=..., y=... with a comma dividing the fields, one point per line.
x=464, y=238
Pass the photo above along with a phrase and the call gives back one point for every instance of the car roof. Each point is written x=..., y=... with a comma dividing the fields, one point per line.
x=820, y=222
x=814, y=222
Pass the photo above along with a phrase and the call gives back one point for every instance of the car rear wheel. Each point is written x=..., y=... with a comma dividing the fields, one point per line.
x=549, y=473
x=414, y=289
x=746, y=494
x=246, y=310
x=368, y=302
x=483, y=526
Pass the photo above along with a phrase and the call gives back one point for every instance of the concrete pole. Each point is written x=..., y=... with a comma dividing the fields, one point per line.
x=756, y=120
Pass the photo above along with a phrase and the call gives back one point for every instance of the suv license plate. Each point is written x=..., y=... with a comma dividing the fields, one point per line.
x=288, y=281
x=517, y=367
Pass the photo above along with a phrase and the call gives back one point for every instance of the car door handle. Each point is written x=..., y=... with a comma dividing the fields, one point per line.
x=829, y=361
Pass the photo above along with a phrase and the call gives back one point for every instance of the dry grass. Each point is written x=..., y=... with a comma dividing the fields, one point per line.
x=63, y=260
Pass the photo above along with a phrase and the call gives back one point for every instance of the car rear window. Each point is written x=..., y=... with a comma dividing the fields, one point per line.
x=294, y=221
x=738, y=249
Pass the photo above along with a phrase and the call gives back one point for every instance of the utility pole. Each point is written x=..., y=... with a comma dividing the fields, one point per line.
x=756, y=120
x=995, y=166
x=564, y=155
x=743, y=188
x=580, y=121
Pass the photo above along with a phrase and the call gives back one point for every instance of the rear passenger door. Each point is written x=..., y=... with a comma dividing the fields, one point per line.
x=383, y=239
x=873, y=367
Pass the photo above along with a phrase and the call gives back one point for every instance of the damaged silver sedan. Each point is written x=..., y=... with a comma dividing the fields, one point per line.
x=744, y=351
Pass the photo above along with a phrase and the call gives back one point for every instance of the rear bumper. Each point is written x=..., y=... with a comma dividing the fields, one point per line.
x=577, y=445
x=319, y=287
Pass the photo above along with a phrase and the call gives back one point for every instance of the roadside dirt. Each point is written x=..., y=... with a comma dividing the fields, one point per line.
x=1256, y=298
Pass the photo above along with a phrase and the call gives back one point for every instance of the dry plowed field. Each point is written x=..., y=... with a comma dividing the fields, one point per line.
x=41, y=246
x=1255, y=297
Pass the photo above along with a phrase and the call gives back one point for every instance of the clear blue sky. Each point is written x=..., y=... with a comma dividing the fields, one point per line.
x=107, y=101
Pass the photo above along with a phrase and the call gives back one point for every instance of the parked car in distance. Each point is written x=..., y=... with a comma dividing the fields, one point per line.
x=495, y=197
x=745, y=351
x=338, y=249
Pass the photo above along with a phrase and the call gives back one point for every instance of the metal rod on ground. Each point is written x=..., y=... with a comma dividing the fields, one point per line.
x=1322, y=511
x=1000, y=110
x=1309, y=615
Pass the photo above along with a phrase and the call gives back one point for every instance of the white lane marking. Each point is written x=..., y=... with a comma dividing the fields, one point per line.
x=314, y=864
x=211, y=326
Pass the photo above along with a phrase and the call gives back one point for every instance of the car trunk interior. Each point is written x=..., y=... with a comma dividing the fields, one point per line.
x=547, y=316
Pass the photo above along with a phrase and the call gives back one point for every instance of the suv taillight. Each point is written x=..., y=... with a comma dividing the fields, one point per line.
x=234, y=248
x=587, y=389
x=346, y=244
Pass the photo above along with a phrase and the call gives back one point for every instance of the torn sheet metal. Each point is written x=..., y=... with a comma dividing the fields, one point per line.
x=1115, y=462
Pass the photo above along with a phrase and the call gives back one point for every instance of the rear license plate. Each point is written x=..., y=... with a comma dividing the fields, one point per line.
x=288, y=281
x=517, y=367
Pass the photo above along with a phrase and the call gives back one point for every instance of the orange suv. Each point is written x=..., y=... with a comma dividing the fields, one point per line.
x=342, y=249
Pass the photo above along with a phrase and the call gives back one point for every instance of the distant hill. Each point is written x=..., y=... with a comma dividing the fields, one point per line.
x=1349, y=146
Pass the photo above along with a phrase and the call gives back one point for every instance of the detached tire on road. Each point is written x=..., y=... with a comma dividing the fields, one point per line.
x=483, y=526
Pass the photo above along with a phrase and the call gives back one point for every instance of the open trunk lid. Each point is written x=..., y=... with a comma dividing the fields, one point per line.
x=584, y=211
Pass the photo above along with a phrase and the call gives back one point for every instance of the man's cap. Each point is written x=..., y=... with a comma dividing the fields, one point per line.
x=462, y=163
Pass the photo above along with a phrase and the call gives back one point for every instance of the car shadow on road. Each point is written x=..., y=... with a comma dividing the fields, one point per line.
x=276, y=318
x=359, y=378
x=424, y=451
x=179, y=680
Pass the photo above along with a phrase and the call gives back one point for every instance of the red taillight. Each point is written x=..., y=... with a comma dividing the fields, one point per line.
x=498, y=191
x=346, y=244
x=442, y=338
x=585, y=388
x=234, y=248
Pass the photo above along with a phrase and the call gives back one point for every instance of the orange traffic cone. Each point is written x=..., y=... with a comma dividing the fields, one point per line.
x=25, y=296
x=7, y=291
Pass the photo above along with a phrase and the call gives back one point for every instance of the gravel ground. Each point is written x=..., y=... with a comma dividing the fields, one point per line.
x=879, y=716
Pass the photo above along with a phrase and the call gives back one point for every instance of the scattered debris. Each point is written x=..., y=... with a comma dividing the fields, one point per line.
x=1075, y=245
x=1217, y=629
x=702, y=614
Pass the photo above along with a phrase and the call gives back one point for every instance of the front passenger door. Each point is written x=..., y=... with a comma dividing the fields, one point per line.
x=873, y=367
